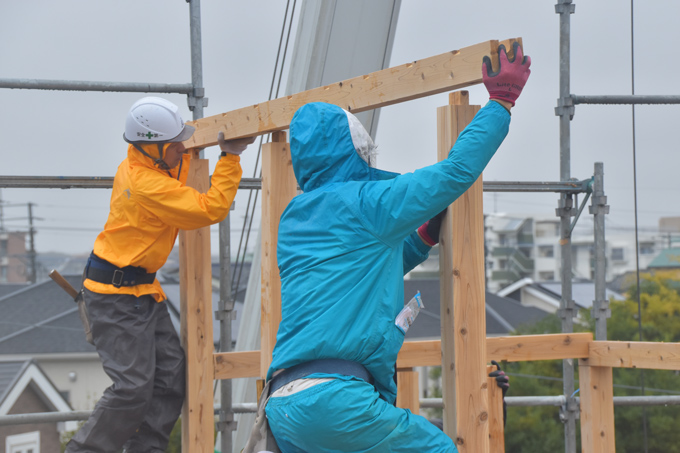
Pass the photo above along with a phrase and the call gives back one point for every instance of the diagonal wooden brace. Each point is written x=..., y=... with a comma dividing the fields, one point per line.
x=446, y=72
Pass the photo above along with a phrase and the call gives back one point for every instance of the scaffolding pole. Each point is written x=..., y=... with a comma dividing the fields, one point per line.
x=75, y=85
x=106, y=182
x=83, y=182
x=599, y=209
x=565, y=111
x=625, y=99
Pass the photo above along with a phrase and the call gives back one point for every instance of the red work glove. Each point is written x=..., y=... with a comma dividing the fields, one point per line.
x=508, y=82
x=429, y=231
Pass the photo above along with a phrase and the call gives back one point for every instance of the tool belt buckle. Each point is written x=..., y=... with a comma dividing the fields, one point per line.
x=117, y=279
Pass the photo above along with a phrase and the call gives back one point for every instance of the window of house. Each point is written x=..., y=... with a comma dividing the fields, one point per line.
x=3, y=274
x=546, y=275
x=547, y=229
x=617, y=253
x=502, y=264
x=3, y=247
x=646, y=248
x=546, y=251
x=23, y=443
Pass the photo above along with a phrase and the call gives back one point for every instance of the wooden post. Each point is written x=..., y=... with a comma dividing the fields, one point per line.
x=462, y=280
x=496, y=425
x=455, y=238
x=408, y=395
x=278, y=188
x=597, y=408
x=198, y=420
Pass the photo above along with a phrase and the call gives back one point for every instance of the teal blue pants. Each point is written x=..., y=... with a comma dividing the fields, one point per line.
x=348, y=416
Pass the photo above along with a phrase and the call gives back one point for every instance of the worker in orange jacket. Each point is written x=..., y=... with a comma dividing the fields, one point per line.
x=131, y=328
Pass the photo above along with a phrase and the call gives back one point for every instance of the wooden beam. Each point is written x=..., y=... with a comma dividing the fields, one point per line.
x=420, y=353
x=408, y=395
x=446, y=72
x=496, y=425
x=278, y=188
x=230, y=365
x=597, y=408
x=625, y=354
x=196, y=326
x=539, y=347
x=237, y=364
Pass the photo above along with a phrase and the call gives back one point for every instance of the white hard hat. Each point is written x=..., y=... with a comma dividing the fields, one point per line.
x=155, y=120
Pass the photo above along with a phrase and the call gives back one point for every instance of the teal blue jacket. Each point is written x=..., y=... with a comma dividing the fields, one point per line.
x=346, y=242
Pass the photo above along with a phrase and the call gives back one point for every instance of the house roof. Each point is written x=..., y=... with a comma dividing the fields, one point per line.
x=9, y=374
x=583, y=292
x=502, y=315
x=42, y=318
x=9, y=288
x=667, y=259
x=17, y=376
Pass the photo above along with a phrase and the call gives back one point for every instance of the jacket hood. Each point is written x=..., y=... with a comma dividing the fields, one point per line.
x=322, y=149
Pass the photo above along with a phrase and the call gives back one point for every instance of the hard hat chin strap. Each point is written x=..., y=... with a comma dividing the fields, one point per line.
x=160, y=163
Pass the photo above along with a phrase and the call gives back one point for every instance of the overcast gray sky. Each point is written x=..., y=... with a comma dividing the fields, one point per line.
x=79, y=134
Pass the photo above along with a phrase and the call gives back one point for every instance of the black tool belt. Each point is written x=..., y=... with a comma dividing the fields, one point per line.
x=100, y=270
x=325, y=366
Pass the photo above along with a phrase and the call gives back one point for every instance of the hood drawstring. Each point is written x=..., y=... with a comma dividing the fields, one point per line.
x=160, y=163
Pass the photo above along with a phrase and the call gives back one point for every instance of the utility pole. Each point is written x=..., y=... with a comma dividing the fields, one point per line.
x=2, y=217
x=31, y=252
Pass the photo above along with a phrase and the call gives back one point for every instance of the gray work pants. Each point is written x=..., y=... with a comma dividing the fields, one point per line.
x=141, y=353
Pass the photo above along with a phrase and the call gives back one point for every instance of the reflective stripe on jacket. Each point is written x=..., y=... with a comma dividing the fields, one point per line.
x=346, y=242
x=150, y=205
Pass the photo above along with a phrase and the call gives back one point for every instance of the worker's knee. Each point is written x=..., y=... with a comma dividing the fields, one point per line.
x=177, y=385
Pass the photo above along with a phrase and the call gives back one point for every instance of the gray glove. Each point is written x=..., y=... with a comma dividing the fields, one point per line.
x=236, y=146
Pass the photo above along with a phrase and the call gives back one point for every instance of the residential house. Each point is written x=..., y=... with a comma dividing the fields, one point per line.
x=668, y=259
x=41, y=322
x=546, y=296
x=25, y=389
x=528, y=247
x=503, y=317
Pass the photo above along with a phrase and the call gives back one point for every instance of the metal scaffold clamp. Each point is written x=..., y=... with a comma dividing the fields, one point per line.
x=565, y=206
x=567, y=311
x=226, y=426
x=197, y=98
x=565, y=6
x=599, y=205
x=565, y=106
x=571, y=406
x=225, y=315
x=602, y=310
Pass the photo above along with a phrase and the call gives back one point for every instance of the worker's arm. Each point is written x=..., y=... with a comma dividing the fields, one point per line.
x=397, y=207
x=415, y=252
x=186, y=208
x=418, y=244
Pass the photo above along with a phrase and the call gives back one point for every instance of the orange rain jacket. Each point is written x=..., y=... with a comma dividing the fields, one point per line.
x=149, y=206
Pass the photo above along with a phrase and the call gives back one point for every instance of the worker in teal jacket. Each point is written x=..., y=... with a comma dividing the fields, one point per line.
x=344, y=245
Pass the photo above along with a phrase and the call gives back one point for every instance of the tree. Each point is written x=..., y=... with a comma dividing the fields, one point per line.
x=539, y=429
x=535, y=429
x=660, y=322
